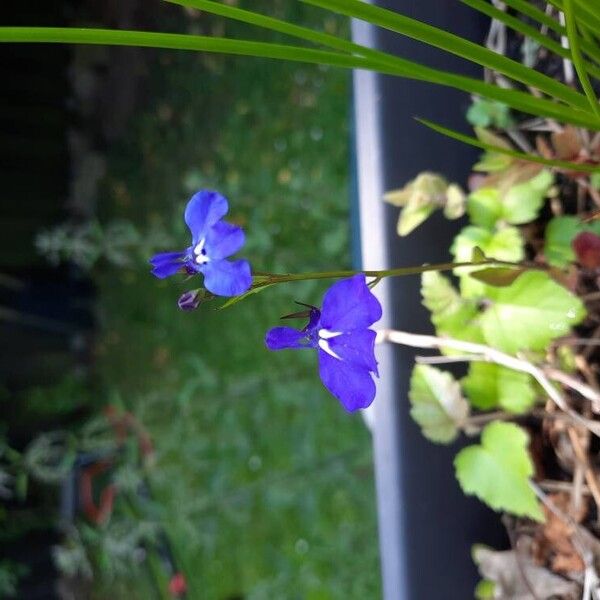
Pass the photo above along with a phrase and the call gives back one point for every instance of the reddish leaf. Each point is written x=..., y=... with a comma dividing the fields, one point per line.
x=587, y=248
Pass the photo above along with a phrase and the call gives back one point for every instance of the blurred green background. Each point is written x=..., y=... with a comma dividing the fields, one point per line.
x=261, y=486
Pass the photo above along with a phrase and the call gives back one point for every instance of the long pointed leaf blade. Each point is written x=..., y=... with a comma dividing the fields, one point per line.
x=304, y=33
x=272, y=24
x=524, y=7
x=390, y=66
x=472, y=141
x=528, y=31
x=577, y=58
x=177, y=41
x=453, y=44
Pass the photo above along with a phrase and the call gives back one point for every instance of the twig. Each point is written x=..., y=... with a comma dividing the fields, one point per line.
x=561, y=486
x=585, y=543
x=592, y=296
x=585, y=390
x=548, y=10
x=482, y=419
x=585, y=186
x=582, y=458
x=590, y=349
x=590, y=376
x=520, y=140
x=444, y=360
x=491, y=355
x=576, y=490
x=567, y=64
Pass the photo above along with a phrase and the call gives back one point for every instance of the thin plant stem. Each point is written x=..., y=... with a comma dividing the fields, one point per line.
x=398, y=272
x=491, y=355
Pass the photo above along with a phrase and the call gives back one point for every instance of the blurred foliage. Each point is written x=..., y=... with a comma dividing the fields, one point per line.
x=119, y=242
x=262, y=483
x=489, y=113
x=10, y=573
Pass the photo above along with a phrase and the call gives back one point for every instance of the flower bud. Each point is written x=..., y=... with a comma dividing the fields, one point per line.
x=189, y=300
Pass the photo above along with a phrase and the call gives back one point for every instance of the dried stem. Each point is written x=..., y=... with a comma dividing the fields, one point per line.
x=486, y=353
x=567, y=64
x=585, y=543
x=582, y=459
x=561, y=486
x=569, y=381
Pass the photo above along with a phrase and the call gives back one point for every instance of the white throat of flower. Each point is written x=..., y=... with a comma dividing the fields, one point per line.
x=324, y=336
x=200, y=253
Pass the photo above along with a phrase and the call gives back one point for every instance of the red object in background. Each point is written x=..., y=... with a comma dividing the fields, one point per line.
x=587, y=248
x=123, y=423
x=177, y=585
x=101, y=512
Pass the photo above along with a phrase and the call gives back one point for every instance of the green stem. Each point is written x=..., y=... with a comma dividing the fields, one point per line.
x=398, y=272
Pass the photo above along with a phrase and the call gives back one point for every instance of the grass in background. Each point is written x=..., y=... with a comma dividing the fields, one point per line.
x=262, y=481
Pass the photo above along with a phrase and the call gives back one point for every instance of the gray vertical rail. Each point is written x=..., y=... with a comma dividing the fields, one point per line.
x=372, y=218
x=426, y=524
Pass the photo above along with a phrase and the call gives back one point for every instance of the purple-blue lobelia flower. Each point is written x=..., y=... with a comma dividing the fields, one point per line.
x=340, y=333
x=213, y=240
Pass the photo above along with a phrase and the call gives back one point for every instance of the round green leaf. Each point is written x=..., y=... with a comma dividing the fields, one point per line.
x=498, y=470
x=488, y=385
x=530, y=313
x=522, y=202
x=436, y=403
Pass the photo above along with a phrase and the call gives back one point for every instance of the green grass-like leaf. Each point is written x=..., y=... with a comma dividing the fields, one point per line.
x=529, y=32
x=177, y=41
x=526, y=8
x=389, y=65
x=278, y=25
x=578, y=61
x=473, y=141
x=451, y=43
x=498, y=470
x=589, y=47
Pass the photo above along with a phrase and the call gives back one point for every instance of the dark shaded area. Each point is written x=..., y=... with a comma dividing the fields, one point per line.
x=39, y=307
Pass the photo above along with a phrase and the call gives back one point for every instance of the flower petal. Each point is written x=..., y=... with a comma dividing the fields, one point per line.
x=352, y=386
x=357, y=348
x=205, y=208
x=165, y=257
x=223, y=240
x=227, y=278
x=281, y=338
x=349, y=304
x=167, y=264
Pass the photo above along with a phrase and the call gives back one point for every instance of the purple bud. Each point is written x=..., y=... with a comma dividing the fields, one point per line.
x=189, y=301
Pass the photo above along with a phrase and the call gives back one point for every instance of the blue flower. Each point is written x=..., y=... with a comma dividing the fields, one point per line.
x=340, y=333
x=213, y=240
